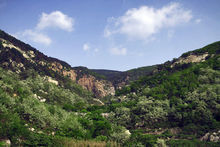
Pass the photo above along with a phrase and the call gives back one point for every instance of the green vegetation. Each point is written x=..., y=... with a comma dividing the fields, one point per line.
x=34, y=110
x=163, y=105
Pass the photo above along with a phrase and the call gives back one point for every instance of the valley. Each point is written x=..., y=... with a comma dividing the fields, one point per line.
x=46, y=102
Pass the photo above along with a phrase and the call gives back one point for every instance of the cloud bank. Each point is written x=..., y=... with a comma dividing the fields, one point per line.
x=142, y=23
x=36, y=37
x=55, y=19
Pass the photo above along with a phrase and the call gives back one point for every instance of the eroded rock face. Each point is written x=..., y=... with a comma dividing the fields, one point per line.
x=57, y=67
x=71, y=74
x=190, y=59
x=99, y=88
x=213, y=137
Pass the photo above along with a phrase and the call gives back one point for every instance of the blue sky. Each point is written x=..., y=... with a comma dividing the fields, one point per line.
x=112, y=34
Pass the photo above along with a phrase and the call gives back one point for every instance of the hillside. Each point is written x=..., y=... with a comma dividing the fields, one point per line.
x=46, y=102
x=120, y=79
x=20, y=57
x=183, y=94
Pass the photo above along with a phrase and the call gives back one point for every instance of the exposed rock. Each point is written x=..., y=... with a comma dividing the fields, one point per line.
x=28, y=55
x=105, y=115
x=5, y=64
x=40, y=132
x=35, y=96
x=31, y=129
x=205, y=137
x=7, y=142
x=99, y=102
x=190, y=59
x=55, y=66
x=52, y=81
x=99, y=88
x=214, y=137
x=44, y=92
x=31, y=54
x=175, y=131
x=127, y=132
x=39, y=98
x=71, y=74
x=43, y=100
x=42, y=63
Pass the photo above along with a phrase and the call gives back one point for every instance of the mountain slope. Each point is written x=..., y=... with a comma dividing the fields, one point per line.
x=19, y=57
x=120, y=79
x=183, y=93
x=42, y=104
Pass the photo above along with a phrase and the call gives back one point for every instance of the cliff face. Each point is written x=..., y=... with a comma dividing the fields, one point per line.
x=99, y=87
x=18, y=57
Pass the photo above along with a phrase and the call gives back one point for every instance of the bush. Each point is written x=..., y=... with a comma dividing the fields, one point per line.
x=138, y=138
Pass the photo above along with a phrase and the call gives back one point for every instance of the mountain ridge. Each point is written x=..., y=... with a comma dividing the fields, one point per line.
x=13, y=51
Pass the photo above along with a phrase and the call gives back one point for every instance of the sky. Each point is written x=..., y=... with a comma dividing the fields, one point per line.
x=112, y=34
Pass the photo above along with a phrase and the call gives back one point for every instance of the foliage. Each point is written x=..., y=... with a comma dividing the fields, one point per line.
x=191, y=143
x=35, y=112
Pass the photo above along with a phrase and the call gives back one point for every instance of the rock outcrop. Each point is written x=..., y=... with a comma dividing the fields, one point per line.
x=213, y=137
x=192, y=58
x=100, y=88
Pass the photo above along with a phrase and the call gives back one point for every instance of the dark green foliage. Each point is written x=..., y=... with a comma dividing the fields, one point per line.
x=78, y=106
x=192, y=91
x=35, y=139
x=85, y=71
x=191, y=143
x=117, y=77
x=211, y=49
x=139, y=138
x=12, y=127
x=184, y=96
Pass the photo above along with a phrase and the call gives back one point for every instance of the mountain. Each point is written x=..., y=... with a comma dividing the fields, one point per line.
x=181, y=97
x=46, y=102
x=20, y=57
x=120, y=79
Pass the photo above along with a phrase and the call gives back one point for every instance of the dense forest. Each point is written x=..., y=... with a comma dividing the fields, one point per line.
x=172, y=104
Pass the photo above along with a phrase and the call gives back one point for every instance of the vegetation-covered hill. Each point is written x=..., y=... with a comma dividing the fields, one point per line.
x=43, y=102
x=120, y=79
x=183, y=94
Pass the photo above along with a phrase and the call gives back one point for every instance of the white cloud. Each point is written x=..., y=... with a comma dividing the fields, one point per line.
x=198, y=21
x=86, y=47
x=56, y=19
x=118, y=51
x=34, y=36
x=142, y=23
